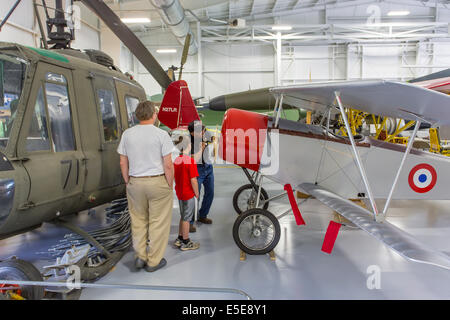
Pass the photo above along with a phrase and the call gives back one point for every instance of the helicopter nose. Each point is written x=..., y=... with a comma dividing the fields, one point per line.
x=243, y=137
x=7, y=188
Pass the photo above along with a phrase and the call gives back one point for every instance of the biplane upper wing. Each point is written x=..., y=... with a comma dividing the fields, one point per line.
x=379, y=97
x=395, y=238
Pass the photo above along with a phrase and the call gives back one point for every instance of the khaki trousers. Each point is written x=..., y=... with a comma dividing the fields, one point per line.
x=150, y=202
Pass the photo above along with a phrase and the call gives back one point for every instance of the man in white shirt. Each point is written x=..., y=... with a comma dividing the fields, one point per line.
x=147, y=169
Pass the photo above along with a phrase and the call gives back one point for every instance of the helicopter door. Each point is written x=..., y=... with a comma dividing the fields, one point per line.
x=51, y=148
x=110, y=130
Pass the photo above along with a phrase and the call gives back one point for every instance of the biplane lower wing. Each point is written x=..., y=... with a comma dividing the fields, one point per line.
x=395, y=238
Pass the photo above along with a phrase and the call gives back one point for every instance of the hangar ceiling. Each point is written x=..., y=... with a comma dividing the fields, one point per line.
x=340, y=21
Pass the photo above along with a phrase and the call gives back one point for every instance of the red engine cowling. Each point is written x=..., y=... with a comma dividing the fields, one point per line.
x=242, y=139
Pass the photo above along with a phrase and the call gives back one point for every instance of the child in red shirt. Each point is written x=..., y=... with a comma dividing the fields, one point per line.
x=186, y=188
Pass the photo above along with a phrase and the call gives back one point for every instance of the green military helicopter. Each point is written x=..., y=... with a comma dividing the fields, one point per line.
x=60, y=123
x=62, y=112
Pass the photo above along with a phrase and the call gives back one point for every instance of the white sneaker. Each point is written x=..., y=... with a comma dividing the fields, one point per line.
x=177, y=243
x=191, y=245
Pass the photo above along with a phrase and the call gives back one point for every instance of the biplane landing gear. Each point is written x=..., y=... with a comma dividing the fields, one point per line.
x=20, y=270
x=245, y=198
x=256, y=231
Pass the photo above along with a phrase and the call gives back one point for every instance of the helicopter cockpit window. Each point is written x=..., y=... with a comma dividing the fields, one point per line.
x=109, y=114
x=38, y=139
x=12, y=75
x=60, y=117
x=132, y=104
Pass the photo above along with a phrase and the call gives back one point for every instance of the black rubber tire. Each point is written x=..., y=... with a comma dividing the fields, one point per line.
x=16, y=269
x=263, y=196
x=251, y=212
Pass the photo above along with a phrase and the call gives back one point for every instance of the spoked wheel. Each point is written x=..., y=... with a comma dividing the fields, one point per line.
x=245, y=198
x=256, y=231
x=16, y=269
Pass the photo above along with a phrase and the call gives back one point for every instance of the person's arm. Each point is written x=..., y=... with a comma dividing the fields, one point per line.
x=194, y=184
x=124, y=167
x=198, y=155
x=168, y=169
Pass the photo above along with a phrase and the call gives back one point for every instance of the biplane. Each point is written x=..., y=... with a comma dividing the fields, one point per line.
x=312, y=159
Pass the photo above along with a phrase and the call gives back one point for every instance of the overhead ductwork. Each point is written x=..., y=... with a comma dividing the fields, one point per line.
x=172, y=13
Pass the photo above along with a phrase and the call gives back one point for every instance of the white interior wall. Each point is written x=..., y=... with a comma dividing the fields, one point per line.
x=363, y=61
x=226, y=68
x=88, y=36
x=236, y=67
x=22, y=26
x=19, y=28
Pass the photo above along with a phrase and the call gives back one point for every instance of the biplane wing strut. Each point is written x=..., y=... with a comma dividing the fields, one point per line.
x=361, y=166
x=362, y=171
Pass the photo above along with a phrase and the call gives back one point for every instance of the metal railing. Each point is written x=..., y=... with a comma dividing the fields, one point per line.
x=72, y=285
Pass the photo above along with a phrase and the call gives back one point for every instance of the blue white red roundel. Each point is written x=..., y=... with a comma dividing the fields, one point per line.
x=422, y=178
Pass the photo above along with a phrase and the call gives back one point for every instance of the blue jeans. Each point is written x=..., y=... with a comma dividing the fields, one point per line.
x=205, y=178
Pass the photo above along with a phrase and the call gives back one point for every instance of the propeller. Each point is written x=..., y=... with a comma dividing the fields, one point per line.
x=187, y=42
x=129, y=39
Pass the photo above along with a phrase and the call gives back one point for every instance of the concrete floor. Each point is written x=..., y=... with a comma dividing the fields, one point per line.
x=301, y=270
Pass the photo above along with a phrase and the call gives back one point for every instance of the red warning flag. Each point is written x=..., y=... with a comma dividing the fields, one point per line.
x=295, y=210
x=330, y=237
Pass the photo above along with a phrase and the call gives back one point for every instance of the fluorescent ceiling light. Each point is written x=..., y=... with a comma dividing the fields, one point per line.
x=398, y=13
x=135, y=20
x=280, y=28
x=166, y=50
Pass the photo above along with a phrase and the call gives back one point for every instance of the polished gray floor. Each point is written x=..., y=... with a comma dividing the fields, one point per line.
x=301, y=270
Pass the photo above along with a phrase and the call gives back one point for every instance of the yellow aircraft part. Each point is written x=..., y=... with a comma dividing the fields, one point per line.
x=308, y=117
x=15, y=296
x=399, y=129
x=356, y=119
x=435, y=143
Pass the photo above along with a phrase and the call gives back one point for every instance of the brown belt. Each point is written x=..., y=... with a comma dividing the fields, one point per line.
x=159, y=175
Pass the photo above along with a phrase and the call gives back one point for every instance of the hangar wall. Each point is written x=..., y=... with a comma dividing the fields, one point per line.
x=230, y=68
x=362, y=61
x=21, y=29
x=225, y=68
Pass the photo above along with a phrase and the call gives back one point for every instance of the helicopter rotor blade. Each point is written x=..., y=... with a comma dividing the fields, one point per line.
x=41, y=27
x=187, y=42
x=129, y=39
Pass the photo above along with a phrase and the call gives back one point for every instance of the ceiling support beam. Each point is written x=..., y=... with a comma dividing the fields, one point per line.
x=252, y=9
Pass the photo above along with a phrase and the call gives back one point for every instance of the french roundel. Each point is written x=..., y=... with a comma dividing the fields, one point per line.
x=422, y=178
